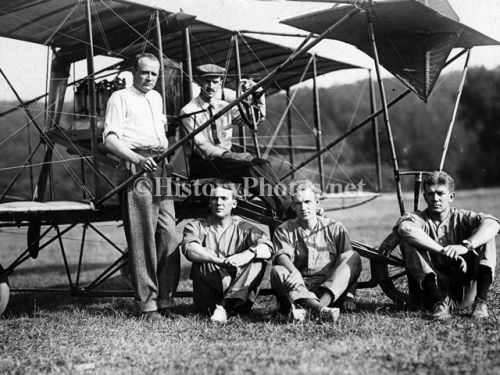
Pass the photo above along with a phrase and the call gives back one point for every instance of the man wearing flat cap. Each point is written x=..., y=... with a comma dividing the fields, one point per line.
x=212, y=154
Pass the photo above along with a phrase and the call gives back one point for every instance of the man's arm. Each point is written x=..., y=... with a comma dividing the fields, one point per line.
x=117, y=147
x=486, y=231
x=417, y=237
x=198, y=254
x=260, y=251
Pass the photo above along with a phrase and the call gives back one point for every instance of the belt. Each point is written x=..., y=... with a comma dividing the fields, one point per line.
x=153, y=151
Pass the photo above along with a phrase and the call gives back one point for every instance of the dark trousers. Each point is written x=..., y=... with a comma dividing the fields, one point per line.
x=340, y=279
x=213, y=284
x=263, y=183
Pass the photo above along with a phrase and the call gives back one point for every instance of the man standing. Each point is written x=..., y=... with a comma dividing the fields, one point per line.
x=229, y=257
x=212, y=154
x=314, y=264
x=450, y=252
x=135, y=132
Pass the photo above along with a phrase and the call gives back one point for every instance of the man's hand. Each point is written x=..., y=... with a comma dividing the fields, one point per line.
x=148, y=164
x=462, y=264
x=221, y=262
x=349, y=303
x=244, y=156
x=293, y=280
x=247, y=84
x=241, y=259
x=454, y=251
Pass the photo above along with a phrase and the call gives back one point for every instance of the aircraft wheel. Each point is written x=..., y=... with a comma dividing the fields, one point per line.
x=392, y=279
x=4, y=291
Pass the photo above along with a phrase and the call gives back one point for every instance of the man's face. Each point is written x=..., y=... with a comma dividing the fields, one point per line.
x=146, y=75
x=305, y=204
x=209, y=87
x=222, y=202
x=438, y=198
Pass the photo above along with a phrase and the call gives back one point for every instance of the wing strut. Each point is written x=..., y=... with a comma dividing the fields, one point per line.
x=92, y=102
x=383, y=98
x=455, y=109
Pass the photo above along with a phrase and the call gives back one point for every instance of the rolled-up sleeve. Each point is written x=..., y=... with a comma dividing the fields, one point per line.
x=411, y=217
x=114, y=122
x=283, y=243
x=474, y=219
x=343, y=242
x=192, y=233
x=258, y=237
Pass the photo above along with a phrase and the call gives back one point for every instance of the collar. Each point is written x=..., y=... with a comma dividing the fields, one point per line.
x=211, y=220
x=138, y=92
x=201, y=103
x=439, y=222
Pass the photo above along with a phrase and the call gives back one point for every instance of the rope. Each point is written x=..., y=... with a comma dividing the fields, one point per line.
x=99, y=25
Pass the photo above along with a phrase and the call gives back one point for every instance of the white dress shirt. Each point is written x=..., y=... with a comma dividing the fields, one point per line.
x=136, y=118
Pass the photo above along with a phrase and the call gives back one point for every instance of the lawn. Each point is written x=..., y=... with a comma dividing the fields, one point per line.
x=50, y=333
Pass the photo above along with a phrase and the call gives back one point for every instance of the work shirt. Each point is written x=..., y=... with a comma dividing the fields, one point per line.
x=234, y=239
x=205, y=139
x=456, y=227
x=313, y=252
x=136, y=118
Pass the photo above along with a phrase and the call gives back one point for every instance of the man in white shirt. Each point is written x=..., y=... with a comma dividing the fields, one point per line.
x=212, y=154
x=135, y=132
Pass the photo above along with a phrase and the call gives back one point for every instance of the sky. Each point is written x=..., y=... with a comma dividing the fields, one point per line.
x=25, y=63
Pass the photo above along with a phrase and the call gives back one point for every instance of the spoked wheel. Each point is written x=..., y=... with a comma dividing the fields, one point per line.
x=4, y=291
x=391, y=277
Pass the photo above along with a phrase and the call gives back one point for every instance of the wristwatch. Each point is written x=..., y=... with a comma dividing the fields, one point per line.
x=254, y=251
x=468, y=245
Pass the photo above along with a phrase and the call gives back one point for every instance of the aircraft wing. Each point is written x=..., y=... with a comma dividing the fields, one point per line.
x=122, y=29
x=61, y=24
x=211, y=44
x=414, y=37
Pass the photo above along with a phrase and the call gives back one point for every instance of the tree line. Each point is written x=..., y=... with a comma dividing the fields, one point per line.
x=419, y=129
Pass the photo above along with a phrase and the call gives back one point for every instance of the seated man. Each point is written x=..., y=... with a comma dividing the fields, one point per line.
x=314, y=264
x=446, y=249
x=229, y=257
x=212, y=154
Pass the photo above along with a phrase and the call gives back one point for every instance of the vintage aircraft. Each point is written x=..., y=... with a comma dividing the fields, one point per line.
x=74, y=30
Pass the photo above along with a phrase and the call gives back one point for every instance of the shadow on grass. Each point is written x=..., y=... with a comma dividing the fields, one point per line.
x=33, y=303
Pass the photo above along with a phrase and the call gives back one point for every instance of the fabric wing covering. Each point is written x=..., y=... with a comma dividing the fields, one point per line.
x=124, y=28
x=414, y=37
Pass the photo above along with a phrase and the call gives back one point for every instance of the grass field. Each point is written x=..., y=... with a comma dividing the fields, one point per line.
x=52, y=333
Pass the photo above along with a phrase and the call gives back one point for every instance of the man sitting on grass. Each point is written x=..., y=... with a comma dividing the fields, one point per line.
x=451, y=253
x=229, y=257
x=314, y=265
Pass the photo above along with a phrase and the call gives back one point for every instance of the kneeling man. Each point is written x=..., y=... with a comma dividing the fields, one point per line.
x=314, y=264
x=451, y=253
x=229, y=257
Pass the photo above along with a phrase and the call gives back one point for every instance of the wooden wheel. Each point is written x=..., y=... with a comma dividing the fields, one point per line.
x=392, y=278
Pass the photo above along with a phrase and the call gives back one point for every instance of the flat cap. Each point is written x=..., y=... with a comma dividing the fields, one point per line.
x=210, y=70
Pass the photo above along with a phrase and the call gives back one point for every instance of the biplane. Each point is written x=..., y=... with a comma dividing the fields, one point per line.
x=68, y=142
